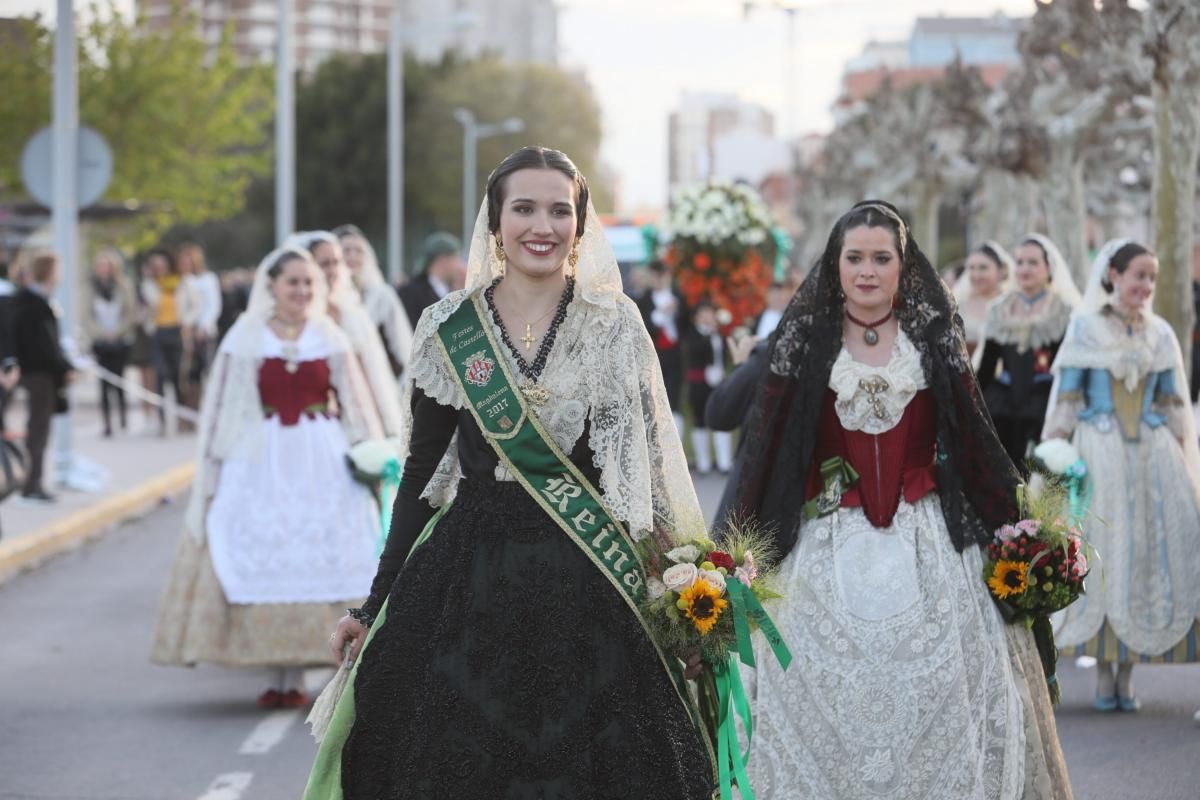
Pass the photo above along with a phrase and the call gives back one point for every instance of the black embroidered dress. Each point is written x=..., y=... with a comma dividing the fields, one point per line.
x=507, y=665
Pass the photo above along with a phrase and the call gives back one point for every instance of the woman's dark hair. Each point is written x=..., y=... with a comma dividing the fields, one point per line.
x=166, y=255
x=870, y=215
x=349, y=229
x=1121, y=260
x=1045, y=257
x=282, y=260
x=990, y=253
x=535, y=158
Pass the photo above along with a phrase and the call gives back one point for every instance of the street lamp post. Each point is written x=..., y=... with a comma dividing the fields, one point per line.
x=65, y=210
x=473, y=131
x=395, y=132
x=285, y=127
x=395, y=145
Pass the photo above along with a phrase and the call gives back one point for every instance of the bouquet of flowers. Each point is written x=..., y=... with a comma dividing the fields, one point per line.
x=722, y=248
x=377, y=463
x=1036, y=568
x=707, y=598
x=1060, y=461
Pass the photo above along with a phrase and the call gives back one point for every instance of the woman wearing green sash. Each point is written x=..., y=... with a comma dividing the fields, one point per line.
x=505, y=656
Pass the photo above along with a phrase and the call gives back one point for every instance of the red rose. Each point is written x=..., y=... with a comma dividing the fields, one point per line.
x=720, y=559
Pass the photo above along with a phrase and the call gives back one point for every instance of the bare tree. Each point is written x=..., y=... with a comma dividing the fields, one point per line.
x=1074, y=72
x=1172, y=30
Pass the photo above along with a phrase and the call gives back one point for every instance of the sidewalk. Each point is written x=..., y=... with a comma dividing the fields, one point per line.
x=142, y=469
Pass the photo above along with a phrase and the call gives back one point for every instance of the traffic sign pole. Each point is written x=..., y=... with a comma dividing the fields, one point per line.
x=65, y=209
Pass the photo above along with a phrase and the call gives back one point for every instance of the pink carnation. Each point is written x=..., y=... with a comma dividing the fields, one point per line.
x=1007, y=533
x=1029, y=526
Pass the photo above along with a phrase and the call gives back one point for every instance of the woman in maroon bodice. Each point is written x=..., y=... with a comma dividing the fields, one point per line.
x=906, y=684
x=278, y=539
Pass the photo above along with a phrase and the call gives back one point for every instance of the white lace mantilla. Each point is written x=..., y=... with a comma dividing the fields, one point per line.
x=601, y=370
x=1012, y=320
x=872, y=399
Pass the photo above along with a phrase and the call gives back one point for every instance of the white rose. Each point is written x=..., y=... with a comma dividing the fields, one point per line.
x=655, y=588
x=680, y=576
x=1057, y=454
x=688, y=553
x=371, y=457
x=715, y=578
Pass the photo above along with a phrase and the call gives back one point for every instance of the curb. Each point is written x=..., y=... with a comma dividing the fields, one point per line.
x=50, y=540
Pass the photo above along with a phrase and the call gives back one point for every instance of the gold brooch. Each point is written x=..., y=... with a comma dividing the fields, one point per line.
x=538, y=395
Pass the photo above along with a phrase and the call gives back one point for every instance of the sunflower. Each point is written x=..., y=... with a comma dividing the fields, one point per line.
x=1009, y=579
x=704, y=605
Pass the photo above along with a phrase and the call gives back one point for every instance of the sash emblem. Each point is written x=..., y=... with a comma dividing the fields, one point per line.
x=479, y=369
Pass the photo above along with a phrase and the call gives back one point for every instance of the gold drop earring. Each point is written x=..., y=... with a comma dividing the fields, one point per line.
x=573, y=260
x=501, y=256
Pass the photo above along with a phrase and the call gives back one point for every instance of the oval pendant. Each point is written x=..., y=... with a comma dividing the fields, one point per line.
x=871, y=337
x=291, y=367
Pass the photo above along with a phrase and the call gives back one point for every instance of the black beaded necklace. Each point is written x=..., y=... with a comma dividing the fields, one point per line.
x=532, y=371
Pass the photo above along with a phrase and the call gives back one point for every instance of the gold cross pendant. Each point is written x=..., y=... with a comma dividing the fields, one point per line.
x=528, y=337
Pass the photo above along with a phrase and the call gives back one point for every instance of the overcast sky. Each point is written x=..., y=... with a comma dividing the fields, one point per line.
x=640, y=55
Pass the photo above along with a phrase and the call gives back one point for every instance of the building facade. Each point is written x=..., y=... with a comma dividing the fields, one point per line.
x=516, y=30
x=700, y=129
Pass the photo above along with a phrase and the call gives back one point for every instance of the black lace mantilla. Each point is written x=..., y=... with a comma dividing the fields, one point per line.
x=976, y=480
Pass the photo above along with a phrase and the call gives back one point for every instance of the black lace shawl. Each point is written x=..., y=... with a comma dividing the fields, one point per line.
x=977, y=482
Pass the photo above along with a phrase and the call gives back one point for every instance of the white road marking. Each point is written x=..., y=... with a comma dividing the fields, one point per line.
x=269, y=732
x=229, y=786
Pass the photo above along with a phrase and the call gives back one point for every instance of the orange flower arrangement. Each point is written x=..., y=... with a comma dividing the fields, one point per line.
x=723, y=249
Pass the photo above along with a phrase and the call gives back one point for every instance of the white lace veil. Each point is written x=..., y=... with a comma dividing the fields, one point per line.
x=363, y=334
x=644, y=475
x=243, y=338
x=1061, y=282
x=381, y=301
x=1095, y=296
x=597, y=276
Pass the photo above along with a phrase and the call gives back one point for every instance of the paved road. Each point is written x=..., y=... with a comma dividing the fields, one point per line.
x=83, y=715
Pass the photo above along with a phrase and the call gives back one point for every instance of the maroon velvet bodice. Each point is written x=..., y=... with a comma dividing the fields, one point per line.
x=893, y=464
x=290, y=394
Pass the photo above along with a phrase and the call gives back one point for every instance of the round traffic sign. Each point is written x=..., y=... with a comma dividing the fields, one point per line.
x=94, y=164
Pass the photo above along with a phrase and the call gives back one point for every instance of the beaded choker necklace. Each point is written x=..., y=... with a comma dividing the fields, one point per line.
x=531, y=372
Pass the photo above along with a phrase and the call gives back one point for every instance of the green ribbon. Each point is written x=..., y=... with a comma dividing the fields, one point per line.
x=1079, y=492
x=747, y=609
x=731, y=701
x=837, y=476
x=783, y=246
x=732, y=704
x=389, y=484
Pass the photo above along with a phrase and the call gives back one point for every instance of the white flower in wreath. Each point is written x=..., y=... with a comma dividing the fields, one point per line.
x=687, y=553
x=655, y=588
x=680, y=576
x=756, y=236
